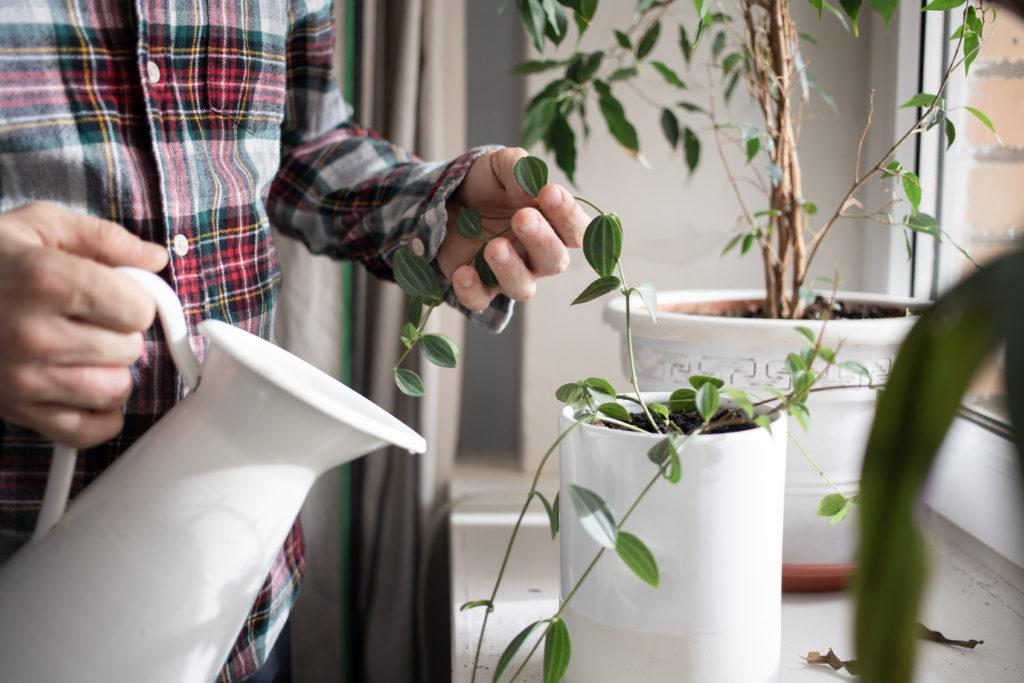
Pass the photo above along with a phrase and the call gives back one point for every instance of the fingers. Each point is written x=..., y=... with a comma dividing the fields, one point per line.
x=86, y=387
x=514, y=278
x=469, y=290
x=89, y=291
x=547, y=253
x=92, y=237
x=564, y=213
x=70, y=426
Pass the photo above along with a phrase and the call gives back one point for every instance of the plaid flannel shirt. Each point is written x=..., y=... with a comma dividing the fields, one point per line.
x=196, y=125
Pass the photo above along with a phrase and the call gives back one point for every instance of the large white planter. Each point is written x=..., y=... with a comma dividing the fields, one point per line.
x=750, y=354
x=717, y=538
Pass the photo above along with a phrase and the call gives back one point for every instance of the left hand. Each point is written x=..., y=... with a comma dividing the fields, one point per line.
x=543, y=229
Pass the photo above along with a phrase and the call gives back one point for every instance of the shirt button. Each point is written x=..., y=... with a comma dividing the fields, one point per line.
x=417, y=246
x=180, y=245
x=153, y=71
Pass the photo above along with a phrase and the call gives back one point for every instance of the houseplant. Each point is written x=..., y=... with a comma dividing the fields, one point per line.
x=738, y=333
x=630, y=446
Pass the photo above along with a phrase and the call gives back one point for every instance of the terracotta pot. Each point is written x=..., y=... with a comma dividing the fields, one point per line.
x=717, y=537
x=749, y=353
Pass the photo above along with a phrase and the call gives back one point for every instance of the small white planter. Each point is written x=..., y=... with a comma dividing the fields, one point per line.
x=717, y=538
x=749, y=353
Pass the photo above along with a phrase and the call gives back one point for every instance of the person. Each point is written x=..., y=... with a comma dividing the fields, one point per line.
x=170, y=135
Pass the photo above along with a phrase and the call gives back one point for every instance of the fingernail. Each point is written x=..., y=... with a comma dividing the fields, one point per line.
x=554, y=197
x=465, y=281
x=500, y=253
x=530, y=225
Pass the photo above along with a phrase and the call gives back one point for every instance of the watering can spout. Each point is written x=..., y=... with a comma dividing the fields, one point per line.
x=151, y=571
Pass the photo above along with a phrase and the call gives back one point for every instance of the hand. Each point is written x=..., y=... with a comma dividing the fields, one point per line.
x=70, y=325
x=537, y=245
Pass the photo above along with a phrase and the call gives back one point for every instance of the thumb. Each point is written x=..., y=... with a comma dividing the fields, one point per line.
x=95, y=238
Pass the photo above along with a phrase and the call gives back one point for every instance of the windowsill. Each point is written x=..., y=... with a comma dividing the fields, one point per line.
x=973, y=592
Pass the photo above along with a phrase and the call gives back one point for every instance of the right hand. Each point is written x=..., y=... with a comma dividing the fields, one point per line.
x=70, y=324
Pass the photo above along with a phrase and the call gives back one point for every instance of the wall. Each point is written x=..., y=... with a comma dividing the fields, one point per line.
x=676, y=227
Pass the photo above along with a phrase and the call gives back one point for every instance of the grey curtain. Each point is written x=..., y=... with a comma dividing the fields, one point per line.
x=412, y=92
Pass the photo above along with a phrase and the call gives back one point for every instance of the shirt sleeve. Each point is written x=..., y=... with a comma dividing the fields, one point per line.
x=342, y=189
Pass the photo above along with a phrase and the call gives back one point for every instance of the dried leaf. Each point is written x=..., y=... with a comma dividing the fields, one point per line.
x=925, y=633
x=831, y=659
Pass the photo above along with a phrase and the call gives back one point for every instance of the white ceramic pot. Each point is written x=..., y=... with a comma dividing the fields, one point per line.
x=717, y=538
x=749, y=353
x=154, y=567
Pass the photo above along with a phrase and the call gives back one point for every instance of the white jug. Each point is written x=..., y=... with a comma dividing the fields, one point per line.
x=152, y=570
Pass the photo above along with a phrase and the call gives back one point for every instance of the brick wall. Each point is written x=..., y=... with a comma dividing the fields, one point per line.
x=993, y=214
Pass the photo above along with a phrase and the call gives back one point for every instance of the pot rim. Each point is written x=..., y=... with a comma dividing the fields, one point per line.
x=872, y=332
x=566, y=414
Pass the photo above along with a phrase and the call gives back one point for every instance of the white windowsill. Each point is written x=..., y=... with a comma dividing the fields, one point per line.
x=973, y=592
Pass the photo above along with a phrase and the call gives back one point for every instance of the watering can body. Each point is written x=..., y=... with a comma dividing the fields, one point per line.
x=151, y=572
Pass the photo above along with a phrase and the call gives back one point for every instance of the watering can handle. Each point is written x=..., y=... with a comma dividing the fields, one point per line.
x=172, y=319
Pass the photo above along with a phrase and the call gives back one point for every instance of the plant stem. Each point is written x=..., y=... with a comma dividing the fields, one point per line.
x=629, y=350
x=817, y=468
x=419, y=330
x=515, y=532
x=589, y=203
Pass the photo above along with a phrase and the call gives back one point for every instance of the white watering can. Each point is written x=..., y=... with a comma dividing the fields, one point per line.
x=152, y=570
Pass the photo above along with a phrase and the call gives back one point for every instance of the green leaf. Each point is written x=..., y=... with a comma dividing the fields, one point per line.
x=584, y=13
x=602, y=243
x=818, y=4
x=532, y=174
x=807, y=37
x=595, y=518
x=707, y=401
x=667, y=449
x=691, y=149
x=685, y=46
x=808, y=334
x=623, y=40
x=537, y=65
x=670, y=76
x=852, y=9
x=922, y=222
x=885, y=8
x=950, y=133
x=646, y=44
x=615, y=117
x=690, y=107
x=923, y=100
x=409, y=335
x=943, y=5
x=702, y=7
x=531, y=14
x=697, y=381
x=408, y=382
x=600, y=385
x=687, y=394
x=557, y=24
x=972, y=38
x=856, y=368
x=912, y=188
x=557, y=650
x=468, y=223
x=831, y=504
x=414, y=275
x=764, y=422
x=986, y=121
x=440, y=350
x=827, y=353
x=670, y=127
x=512, y=649
x=799, y=411
x=473, y=604
x=732, y=243
x=583, y=67
x=730, y=62
x=562, y=140
x=753, y=145
x=415, y=312
x=718, y=45
x=741, y=399
x=623, y=73
x=936, y=363
x=658, y=409
x=748, y=242
x=597, y=288
x=569, y=393
x=483, y=269
x=536, y=122
x=649, y=295
x=615, y=411
x=552, y=510
x=637, y=557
